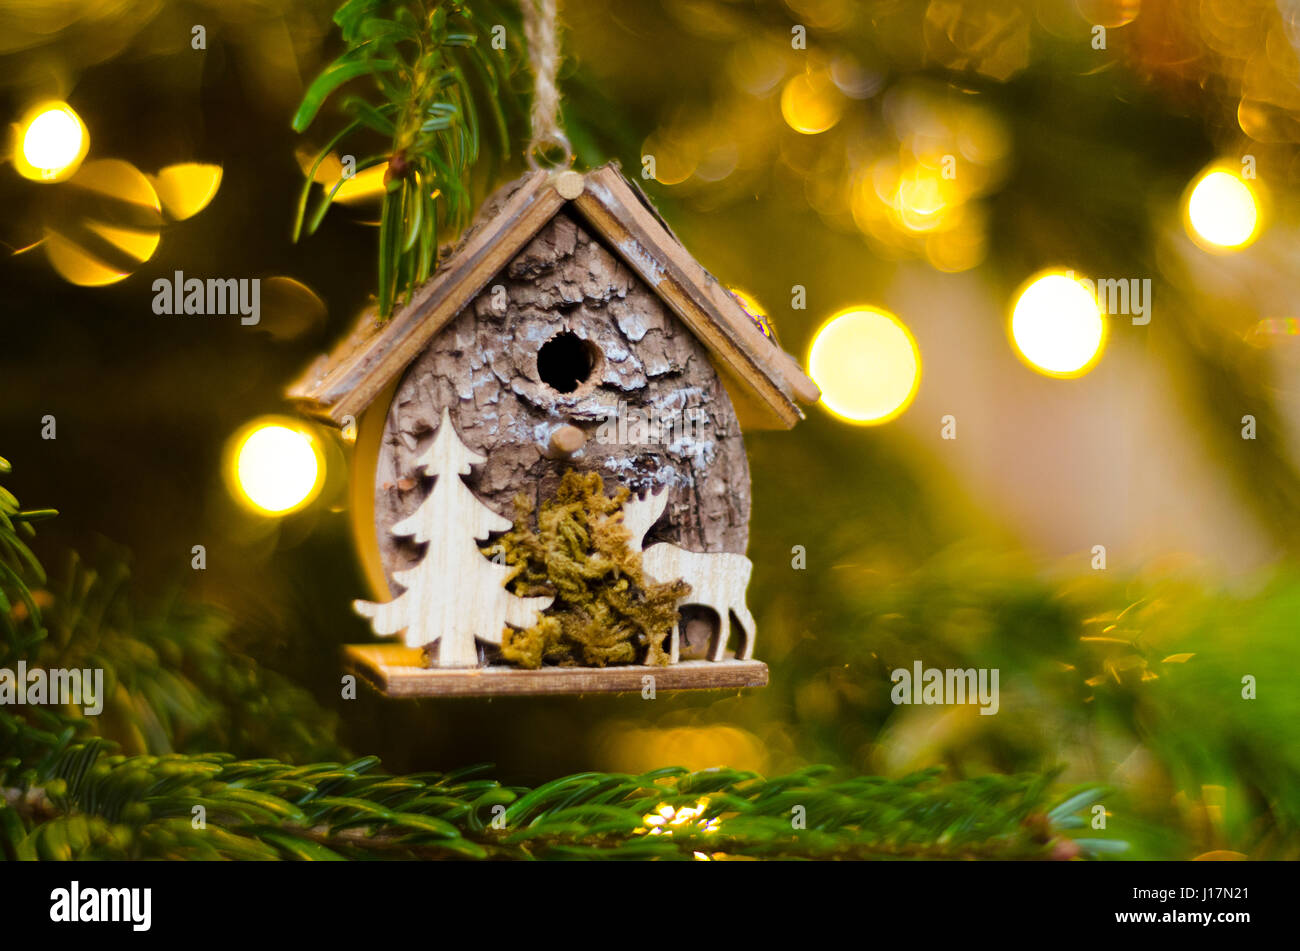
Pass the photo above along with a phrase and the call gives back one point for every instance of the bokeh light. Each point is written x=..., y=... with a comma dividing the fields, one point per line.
x=52, y=141
x=867, y=364
x=366, y=185
x=186, y=189
x=1111, y=14
x=665, y=817
x=1222, y=211
x=811, y=102
x=920, y=201
x=276, y=466
x=918, y=190
x=290, y=308
x=1057, y=326
x=108, y=223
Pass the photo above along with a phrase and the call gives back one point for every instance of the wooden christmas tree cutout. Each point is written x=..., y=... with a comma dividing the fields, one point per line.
x=454, y=596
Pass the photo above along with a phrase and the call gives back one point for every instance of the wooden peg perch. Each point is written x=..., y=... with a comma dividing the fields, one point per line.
x=564, y=442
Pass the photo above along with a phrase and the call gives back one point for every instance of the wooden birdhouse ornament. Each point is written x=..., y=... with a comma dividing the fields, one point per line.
x=569, y=334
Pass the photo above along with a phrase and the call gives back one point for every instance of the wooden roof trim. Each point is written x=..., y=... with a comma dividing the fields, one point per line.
x=743, y=353
x=345, y=383
x=763, y=379
x=805, y=390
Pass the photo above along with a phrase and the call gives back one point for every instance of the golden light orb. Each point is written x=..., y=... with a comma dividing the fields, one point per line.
x=1222, y=211
x=52, y=141
x=116, y=207
x=867, y=364
x=276, y=465
x=1057, y=327
x=921, y=202
x=811, y=103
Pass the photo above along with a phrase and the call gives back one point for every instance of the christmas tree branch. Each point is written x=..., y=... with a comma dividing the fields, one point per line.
x=435, y=66
x=94, y=805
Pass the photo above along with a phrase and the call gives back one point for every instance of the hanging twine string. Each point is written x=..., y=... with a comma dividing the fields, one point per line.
x=544, y=53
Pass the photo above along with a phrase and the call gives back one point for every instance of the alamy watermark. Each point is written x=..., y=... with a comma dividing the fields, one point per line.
x=950, y=685
x=634, y=426
x=133, y=906
x=1119, y=295
x=215, y=297
x=58, y=687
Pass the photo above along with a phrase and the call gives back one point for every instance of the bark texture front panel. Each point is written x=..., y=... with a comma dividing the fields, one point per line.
x=677, y=432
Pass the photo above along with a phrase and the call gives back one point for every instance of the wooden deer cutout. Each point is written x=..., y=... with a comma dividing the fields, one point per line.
x=718, y=579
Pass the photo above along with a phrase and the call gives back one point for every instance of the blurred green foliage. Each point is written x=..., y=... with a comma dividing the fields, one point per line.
x=1170, y=689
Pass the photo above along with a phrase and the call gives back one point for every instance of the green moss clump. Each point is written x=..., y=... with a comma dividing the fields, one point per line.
x=605, y=611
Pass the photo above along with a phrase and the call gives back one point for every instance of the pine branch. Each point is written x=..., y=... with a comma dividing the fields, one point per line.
x=436, y=84
x=93, y=805
x=171, y=681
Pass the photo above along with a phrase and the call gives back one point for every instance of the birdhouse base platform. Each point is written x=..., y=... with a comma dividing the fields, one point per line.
x=397, y=671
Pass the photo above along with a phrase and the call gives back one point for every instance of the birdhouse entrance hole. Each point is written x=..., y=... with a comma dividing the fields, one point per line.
x=566, y=361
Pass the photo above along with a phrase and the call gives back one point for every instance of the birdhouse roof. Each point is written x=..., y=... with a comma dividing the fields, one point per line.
x=762, y=380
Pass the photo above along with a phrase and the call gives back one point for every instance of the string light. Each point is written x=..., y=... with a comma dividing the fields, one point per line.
x=811, y=103
x=52, y=141
x=1222, y=211
x=276, y=466
x=867, y=364
x=1057, y=326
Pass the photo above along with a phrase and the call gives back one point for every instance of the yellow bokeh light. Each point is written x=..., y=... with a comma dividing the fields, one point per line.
x=366, y=185
x=1057, y=327
x=920, y=202
x=51, y=142
x=186, y=189
x=276, y=466
x=1222, y=211
x=662, y=819
x=960, y=247
x=811, y=103
x=112, y=201
x=675, y=157
x=867, y=364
